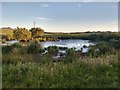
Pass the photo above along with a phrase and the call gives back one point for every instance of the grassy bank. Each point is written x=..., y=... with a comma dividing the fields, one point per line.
x=26, y=70
x=58, y=74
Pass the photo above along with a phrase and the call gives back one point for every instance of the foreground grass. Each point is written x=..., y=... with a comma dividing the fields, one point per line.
x=81, y=72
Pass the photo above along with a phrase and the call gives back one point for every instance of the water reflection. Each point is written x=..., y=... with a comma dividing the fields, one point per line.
x=77, y=44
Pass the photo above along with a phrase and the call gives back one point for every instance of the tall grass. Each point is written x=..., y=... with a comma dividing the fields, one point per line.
x=47, y=74
x=21, y=69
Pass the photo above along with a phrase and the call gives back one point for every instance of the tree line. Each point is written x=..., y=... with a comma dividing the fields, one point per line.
x=23, y=34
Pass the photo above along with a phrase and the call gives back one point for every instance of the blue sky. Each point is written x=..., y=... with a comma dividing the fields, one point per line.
x=62, y=16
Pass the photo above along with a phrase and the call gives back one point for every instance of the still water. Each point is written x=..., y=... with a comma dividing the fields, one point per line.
x=77, y=44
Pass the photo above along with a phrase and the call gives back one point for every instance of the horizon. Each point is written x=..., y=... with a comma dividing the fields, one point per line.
x=56, y=32
x=62, y=16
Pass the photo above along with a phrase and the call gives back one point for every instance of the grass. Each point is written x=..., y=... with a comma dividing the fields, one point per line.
x=21, y=69
x=44, y=73
x=6, y=31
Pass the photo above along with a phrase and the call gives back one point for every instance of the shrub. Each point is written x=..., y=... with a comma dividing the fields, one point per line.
x=34, y=47
x=100, y=49
x=53, y=50
x=68, y=59
x=16, y=45
x=104, y=48
x=6, y=49
x=3, y=41
x=115, y=44
x=63, y=48
x=70, y=51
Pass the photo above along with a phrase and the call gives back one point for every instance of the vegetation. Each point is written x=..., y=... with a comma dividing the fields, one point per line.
x=23, y=69
x=36, y=32
x=34, y=47
x=60, y=75
x=22, y=34
x=98, y=36
x=6, y=33
x=25, y=65
x=52, y=50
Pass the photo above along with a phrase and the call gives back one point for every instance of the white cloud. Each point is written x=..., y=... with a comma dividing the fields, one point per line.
x=41, y=18
x=44, y=5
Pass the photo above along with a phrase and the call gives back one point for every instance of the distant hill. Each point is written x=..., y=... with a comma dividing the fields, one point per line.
x=6, y=30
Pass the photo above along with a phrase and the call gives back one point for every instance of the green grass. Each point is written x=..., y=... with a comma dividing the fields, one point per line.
x=47, y=74
x=21, y=69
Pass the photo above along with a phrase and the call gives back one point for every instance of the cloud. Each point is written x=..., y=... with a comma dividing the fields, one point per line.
x=41, y=18
x=44, y=5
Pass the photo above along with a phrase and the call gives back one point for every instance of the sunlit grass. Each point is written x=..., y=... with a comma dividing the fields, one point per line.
x=21, y=69
x=85, y=72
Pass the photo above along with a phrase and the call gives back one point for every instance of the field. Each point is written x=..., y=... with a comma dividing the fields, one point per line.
x=60, y=45
x=30, y=70
x=24, y=65
x=6, y=31
x=88, y=72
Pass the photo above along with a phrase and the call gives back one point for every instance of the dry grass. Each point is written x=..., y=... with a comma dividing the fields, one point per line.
x=6, y=31
x=108, y=60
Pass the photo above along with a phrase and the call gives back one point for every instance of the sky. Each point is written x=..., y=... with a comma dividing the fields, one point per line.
x=61, y=16
x=60, y=0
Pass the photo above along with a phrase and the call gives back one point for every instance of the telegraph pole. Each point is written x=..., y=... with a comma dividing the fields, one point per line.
x=34, y=24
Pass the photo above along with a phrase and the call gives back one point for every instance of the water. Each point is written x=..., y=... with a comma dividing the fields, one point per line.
x=9, y=42
x=77, y=44
x=12, y=41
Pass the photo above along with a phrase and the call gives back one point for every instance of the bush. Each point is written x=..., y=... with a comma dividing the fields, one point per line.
x=104, y=48
x=16, y=45
x=6, y=49
x=115, y=44
x=70, y=51
x=53, y=50
x=3, y=41
x=68, y=59
x=63, y=48
x=100, y=49
x=34, y=47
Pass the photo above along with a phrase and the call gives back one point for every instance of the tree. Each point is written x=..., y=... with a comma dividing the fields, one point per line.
x=36, y=32
x=22, y=34
x=34, y=47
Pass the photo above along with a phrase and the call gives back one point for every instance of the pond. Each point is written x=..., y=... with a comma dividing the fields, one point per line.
x=9, y=42
x=12, y=41
x=77, y=44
